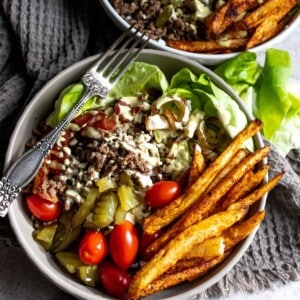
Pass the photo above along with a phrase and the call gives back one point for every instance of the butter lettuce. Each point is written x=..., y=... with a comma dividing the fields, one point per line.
x=268, y=94
x=138, y=78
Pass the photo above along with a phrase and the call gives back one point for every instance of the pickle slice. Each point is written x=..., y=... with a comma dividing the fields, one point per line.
x=88, y=274
x=127, y=197
x=45, y=235
x=105, y=209
x=85, y=208
x=69, y=260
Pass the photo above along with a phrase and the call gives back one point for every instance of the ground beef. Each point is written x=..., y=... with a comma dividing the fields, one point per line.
x=144, y=14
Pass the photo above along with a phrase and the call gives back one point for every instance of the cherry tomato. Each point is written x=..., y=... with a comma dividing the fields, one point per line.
x=123, y=244
x=145, y=241
x=114, y=281
x=43, y=209
x=93, y=247
x=162, y=193
x=106, y=123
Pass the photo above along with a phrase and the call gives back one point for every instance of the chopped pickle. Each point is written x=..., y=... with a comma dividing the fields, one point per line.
x=64, y=237
x=85, y=208
x=104, y=210
x=65, y=233
x=164, y=16
x=69, y=260
x=125, y=179
x=105, y=184
x=120, y=215
x=127, y=197
x=45, y=235
x=88, y=274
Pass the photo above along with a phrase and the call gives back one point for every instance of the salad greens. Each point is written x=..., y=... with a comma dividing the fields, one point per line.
x=266, y=90
x=268, y=93
x=200, y=91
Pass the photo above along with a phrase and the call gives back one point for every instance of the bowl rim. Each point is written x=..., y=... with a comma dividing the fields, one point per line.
x=71, y=287
x=210, y=58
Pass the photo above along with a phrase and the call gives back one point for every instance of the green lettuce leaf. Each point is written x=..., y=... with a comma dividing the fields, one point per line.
x=267, y=93
x=205, y=95
x=137, y=79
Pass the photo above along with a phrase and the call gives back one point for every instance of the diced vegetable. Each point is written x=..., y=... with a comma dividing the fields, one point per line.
x=69, y=260
x=105, y=184
x=88, y=274
x=45, y=235
x=127, y=197
x=105, y=209
x=85, y=208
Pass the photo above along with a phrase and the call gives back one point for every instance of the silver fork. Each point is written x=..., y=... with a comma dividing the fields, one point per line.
x=98, y=81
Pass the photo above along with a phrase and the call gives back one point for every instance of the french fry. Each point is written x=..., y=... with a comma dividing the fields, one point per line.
x=189, y=270
x=249, y=181
x=257, y=193
x=265, y=31
x=209, y=202
x=231, y=164
x=223, y=17
x=197, y=165
x=264, y=12
x=235, y=234
x=175, y=209
x=208, y=46
x=178, y=247
x=170, y=280
x=208, y=249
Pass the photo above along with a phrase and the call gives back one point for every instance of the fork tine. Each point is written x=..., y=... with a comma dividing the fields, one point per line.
x=129, y=52
x=110, y=50
x=128, y=59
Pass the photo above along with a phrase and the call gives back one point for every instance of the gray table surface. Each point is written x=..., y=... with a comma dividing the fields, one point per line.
x=20, y=279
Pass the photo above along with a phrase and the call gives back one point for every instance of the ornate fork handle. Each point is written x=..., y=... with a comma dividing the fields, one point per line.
x=25, y=168
x=97, y=80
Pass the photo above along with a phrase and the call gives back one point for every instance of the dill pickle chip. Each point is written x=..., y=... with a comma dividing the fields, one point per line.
x=88, y=274
x=85, y=208
x=104, y=210
x=164, y=16
x=127, y=197
x=104, y=184
x=45, y=235
x=69, y=260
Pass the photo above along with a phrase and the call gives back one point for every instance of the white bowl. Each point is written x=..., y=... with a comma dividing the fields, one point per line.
x=206, y=59
x=20, y=221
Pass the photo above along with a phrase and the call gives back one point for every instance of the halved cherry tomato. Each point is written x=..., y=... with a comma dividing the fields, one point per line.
x=162, y=193
x=106, y=123
x=93, y=247
x=114, y=281
x=43, y=209
x=145, y=241
x=123, y=244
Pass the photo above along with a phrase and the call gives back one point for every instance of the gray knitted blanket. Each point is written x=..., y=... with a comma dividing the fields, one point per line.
x=38, y=38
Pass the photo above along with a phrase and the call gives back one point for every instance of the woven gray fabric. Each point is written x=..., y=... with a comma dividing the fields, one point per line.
x=38, y=38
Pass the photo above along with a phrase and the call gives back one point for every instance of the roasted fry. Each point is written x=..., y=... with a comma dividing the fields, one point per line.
x=178, y=247
x=211, y=46
x=169, y=280
x=249, y=181
x=169, y=213
x=208, y=249
x=209, y=202
x=264, y=12
x=223, y=17
x=190, y=269
x=233, y=235
x=231, y=164
x=197, y=165
x=265, y=31
x=257, y=193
